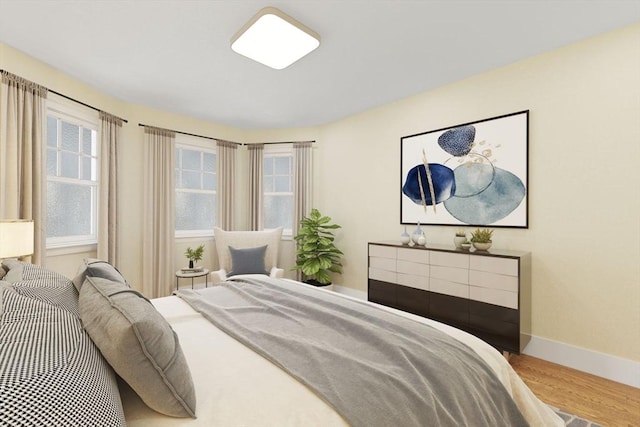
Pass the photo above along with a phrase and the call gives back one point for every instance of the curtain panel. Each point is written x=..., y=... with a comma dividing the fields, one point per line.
x=256, y=161
x=158, y=251
x=22, y=174
x=302, y=185
x=109, y=130
x=226, y=183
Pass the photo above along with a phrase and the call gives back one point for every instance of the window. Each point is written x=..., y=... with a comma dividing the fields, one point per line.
x=72, y=178
x=196, y=183
x=278, y=189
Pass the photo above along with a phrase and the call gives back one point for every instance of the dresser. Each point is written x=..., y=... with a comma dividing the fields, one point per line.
x=486, y=293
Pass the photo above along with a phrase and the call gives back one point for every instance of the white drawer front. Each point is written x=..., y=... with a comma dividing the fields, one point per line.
x=412, y=268
x=382, y=275
x=494, y=296
x=415, y=255
x=448, y=288
x=493, y=281
x=382, y=251
x=382, y=263
x=420, y=282
x=450, y=274
x=491, y=264
x=448, y=259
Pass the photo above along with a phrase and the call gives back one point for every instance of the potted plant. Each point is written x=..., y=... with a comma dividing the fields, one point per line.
x=194, y=255
x=317, y=256
x=481, y=238
x=460, y=238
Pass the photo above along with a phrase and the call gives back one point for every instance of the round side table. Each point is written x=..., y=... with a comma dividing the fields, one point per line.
x=192, y=275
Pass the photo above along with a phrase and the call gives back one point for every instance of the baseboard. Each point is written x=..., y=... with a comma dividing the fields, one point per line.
x=613, y=368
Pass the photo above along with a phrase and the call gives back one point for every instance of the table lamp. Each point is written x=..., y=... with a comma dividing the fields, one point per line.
x=16, y=238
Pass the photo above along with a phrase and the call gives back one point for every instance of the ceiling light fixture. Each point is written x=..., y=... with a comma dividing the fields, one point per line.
x=274, y=39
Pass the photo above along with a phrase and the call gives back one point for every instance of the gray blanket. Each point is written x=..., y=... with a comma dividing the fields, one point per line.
x=375, y=368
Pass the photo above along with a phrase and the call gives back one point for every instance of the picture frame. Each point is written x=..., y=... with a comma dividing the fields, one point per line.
x=477, y=173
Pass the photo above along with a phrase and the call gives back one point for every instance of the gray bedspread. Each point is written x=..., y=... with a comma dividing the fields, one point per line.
x=374, y=367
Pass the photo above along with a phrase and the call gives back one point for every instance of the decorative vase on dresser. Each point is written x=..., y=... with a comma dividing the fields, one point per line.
x=485, y=294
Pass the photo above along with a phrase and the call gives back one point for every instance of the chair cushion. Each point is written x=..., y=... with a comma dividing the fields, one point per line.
x=139, y=344
x=247, y=261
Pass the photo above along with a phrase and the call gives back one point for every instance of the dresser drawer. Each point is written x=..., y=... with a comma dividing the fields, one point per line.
x=450, y=274
x=494, y=296
x=382, y=275
x=419, y=282
x=506, y=266
x=449, y=288
x=448, y=259
x=382, y=251
x=493, y=281
x=388, y=264
x=414, y=255
x=412, y=268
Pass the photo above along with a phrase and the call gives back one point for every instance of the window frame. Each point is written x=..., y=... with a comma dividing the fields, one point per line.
x=279, y=150
x=203, y=145
x=74, y=114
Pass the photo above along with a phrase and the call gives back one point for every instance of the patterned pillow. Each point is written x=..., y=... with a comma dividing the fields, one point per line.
x=139, y=344
x=51, y=372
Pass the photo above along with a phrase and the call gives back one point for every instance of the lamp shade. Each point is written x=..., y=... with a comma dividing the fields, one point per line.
x=16, y=238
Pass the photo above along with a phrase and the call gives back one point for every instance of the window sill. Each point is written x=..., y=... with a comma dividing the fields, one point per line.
x=68, y=250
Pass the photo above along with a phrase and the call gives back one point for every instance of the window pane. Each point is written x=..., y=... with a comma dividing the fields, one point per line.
x=68, y=209
x=191, y=159
x=178, y=179
x=86, y=168
x=268, y=166
x=87, y=141
x=210, y=181
x=52, y=162
x=52, y=131
x=70, y=135
x=209, y=162
x=267, y=184
x=195, y=211
x=278, y=211
x=282, y=165
x=191, y=180
x=69, y=167
x=283, y=184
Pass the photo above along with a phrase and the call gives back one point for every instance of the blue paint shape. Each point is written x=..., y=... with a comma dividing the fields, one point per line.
x=498, y=200
x=444, y=185
x=459, y=141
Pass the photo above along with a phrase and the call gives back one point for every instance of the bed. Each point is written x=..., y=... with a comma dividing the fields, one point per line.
x=224, y=379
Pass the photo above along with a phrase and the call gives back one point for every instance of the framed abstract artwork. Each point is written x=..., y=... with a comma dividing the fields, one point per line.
x=473, y=174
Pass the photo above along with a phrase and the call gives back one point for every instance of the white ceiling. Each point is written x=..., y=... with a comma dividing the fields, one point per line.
x=175, y=55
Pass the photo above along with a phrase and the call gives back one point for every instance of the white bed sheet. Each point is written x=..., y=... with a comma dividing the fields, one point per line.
x=237, y=387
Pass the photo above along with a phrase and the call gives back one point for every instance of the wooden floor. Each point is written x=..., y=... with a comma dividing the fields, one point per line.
x=602, y=401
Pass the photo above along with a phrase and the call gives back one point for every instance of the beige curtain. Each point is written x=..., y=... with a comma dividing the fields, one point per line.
x=158, y=272
x=108, y=242
x=302, y=185
x=226, y=183
x=256, y=160
x=22, y=173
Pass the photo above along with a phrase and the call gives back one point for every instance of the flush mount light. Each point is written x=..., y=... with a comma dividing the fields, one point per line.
x=274, y=39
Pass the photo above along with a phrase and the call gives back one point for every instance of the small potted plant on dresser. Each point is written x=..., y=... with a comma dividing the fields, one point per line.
x=460, y=238
x=317, y=255
x=481, y=238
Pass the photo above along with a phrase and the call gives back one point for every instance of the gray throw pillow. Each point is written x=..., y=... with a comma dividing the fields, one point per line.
x=97, y=268
x=247, y=260
x=139, y=344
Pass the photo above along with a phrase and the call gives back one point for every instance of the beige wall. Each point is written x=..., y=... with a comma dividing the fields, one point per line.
x=584, y=103
x=584, y=180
